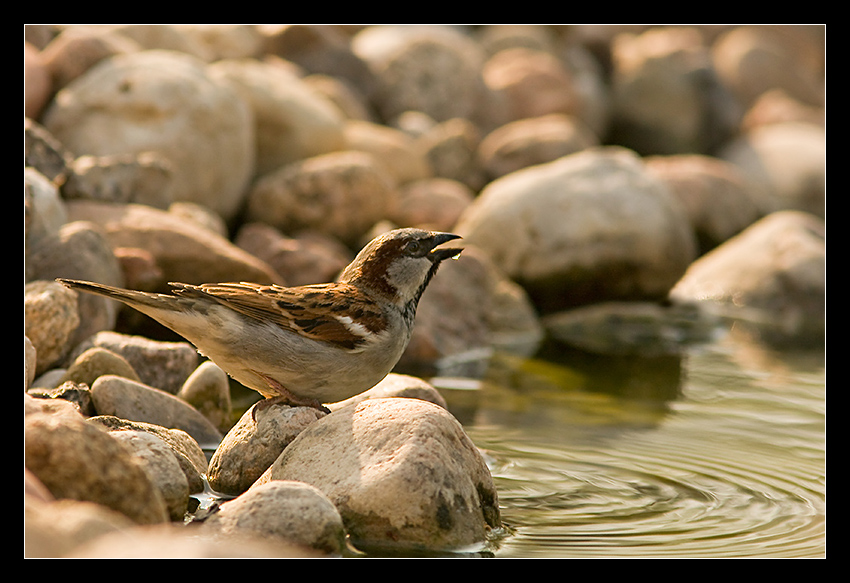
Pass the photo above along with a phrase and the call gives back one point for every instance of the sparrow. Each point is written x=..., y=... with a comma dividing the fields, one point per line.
x=311, y=344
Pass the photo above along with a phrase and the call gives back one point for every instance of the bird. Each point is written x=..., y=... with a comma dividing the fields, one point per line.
x=308, y=345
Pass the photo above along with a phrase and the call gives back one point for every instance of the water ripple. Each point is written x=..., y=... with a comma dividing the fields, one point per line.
x=736, y=468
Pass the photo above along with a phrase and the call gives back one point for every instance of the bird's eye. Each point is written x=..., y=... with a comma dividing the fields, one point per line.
x=414, y=247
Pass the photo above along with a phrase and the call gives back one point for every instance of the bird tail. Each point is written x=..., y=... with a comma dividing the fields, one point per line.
x=133, y=298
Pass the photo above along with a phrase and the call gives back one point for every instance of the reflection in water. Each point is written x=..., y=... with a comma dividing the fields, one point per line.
x=715, y=454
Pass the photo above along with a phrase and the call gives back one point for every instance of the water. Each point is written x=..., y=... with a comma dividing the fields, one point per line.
x=718, y=452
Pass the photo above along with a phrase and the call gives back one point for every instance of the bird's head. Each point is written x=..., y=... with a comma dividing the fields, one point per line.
x=399, y=264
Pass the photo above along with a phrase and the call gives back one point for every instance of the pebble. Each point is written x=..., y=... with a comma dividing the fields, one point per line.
x=294, y=512
x=208, y=390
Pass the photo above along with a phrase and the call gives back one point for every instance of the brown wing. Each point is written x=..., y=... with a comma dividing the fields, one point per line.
x=314, y=311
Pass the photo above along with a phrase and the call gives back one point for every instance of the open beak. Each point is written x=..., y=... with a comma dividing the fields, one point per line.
x=441, y=253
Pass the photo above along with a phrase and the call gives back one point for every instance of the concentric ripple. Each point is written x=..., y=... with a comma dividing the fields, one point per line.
x=734, y=467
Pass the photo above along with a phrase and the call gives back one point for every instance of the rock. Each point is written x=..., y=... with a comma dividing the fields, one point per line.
x=162, y=468
x=406, y=61
x=786, y=163
x=776, y=106
x=96, y=362
x=308, y=257
x=469, y=310
x=164, y=365
x=166, y=37
x=291, y=121
x=754, y=59
x=319, y=49
x=666, y=98
x=532, y=82
x=401, y=472
x=294, y=512
x=44, y=212
x=208, y=390
x=771, y=278
x=162, y=101
x=55, y=407
x=187, y=451
x=50, y=320
x=451, y=149
x=144, y=178
x=77, y=49
x=38, y=85
x=178, y=542
x=184, y=250
x=629, y=328
x=397, y=385
x=77, y=394
x=54, y=529
x=713, y=192
x=433, y=203
x=134, y=401
x=588, y=227
x=392, y=148
x=256, y=440
x=224, y=41
x=200, y=215
x=30, y=362
x=76, y=460
x=348, y=99
x=43, y=152
x=341, y=194
x=80, y=250
x=532, y=141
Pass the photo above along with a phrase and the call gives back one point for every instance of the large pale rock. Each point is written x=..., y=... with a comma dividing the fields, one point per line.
x=166, y=102
x=401, y=472
x=771, y=276
x=587, y=227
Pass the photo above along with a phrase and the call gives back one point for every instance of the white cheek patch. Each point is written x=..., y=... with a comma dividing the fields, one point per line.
x=407, y=275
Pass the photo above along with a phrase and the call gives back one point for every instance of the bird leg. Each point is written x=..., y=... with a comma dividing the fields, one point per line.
x=286, y=397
